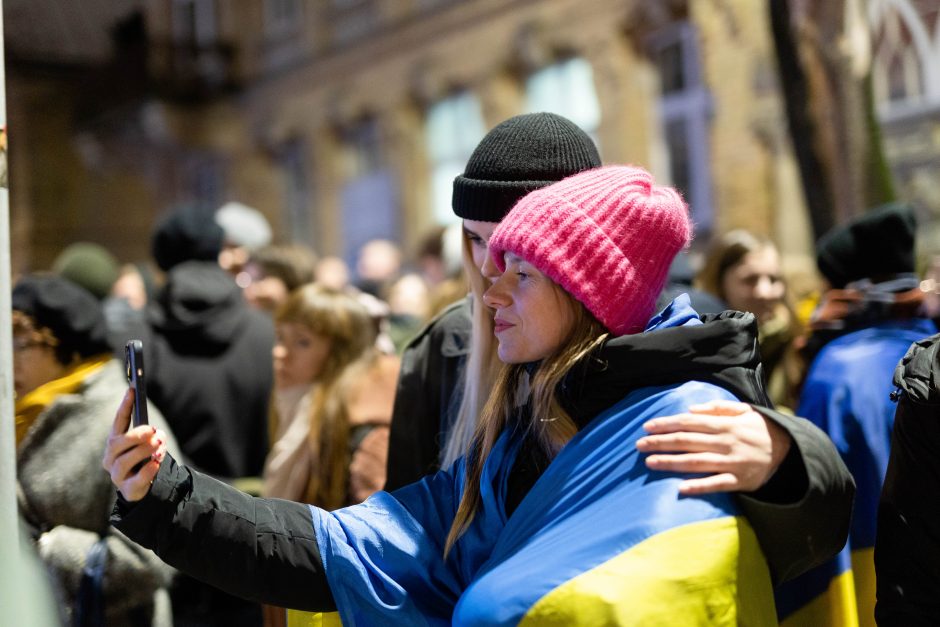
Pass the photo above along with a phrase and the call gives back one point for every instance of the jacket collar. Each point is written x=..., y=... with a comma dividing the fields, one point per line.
x=678, y=345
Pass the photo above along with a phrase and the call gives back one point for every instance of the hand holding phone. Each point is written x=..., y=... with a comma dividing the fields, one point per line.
x=134, y=367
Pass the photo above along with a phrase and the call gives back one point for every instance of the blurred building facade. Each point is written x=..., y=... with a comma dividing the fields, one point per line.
x=346, y=120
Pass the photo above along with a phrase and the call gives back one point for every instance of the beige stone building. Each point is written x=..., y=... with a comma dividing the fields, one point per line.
x=345, y=120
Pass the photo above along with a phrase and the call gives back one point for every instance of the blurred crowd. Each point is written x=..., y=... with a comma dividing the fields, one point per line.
x=275, y=370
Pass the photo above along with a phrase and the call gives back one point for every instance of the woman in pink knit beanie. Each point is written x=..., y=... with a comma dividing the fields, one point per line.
x=556, y=515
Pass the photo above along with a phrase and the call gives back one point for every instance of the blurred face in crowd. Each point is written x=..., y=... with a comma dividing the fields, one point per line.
x=755, y=284
x=533, y=315
x=478, y=233
x=34, y=363
x=265, y=292
x=299, y=355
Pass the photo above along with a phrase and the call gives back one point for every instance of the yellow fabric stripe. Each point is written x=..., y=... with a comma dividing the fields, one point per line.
x=848, y=602
x=35, y=401
x=707, y=573
x=296, y=618
x=836, y=606
x=863, y=573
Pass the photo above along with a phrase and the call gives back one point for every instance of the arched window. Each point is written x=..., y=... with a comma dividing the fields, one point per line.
x=684, y=111
x=453, y=128
x=369, y=196
x=566, y=88
x=907, y=51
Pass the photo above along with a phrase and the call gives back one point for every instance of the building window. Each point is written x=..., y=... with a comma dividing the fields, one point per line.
x=296, y=177
x=904, y=56
x=282, y=16
x=369, y=196
x=453, y=129
x=684, y=111
x=194, y=22
x=566, y=88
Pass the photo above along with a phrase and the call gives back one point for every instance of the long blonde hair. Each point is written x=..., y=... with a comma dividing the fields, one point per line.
x=481, y=369
x=550, y=426
x=349, y=328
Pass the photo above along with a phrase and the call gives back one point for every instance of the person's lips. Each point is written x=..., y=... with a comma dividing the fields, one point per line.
x=500, y=325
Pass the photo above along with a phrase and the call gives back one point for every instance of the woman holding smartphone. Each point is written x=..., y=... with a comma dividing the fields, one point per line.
x=552, y=514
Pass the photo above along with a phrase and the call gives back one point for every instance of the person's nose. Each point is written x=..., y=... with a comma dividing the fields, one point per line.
x=279, y=351
x=490, y=270
x=766, y=289
x=496, y=296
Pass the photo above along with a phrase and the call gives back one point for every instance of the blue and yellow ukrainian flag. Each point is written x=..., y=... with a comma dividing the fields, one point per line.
x=599, y=540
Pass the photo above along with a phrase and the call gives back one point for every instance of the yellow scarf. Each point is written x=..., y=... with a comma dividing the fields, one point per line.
x=33, y=403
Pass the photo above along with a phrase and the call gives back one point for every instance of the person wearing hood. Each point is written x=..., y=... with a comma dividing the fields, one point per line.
x=66, y=383
x=552, y=515
x=864, y=324
x=210, y=374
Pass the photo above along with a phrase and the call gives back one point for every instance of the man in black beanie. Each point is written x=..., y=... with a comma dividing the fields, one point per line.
x=211, y=374
x=867, y=320
x=519, y=155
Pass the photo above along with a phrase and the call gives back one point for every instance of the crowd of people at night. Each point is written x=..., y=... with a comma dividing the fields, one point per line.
x=563, y=410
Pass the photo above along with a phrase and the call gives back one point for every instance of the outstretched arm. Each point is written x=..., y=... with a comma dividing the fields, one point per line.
x=259, y=549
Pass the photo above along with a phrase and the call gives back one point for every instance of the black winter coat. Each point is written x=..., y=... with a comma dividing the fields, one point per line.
x=907, y=545
x=210, y=369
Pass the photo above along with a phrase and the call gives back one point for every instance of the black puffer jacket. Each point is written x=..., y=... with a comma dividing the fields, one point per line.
x=266, y=550
x=907, y=546
x=210, y=369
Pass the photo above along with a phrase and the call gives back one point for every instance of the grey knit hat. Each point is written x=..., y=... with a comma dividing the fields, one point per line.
x=521, y=154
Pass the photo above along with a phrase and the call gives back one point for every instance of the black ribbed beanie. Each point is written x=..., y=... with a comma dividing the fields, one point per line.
x=879, y=243
x=524, y=153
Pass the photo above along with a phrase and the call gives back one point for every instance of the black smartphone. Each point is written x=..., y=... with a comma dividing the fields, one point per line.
x=134, y=365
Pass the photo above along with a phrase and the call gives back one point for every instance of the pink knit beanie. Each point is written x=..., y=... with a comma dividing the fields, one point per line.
x=607, y=236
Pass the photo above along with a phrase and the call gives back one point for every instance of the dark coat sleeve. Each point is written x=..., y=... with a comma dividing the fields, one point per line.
x=801, y=516
x=427, y=394
x=259, y=549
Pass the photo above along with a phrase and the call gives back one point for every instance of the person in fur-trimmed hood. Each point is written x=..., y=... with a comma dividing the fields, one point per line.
x=66, y=384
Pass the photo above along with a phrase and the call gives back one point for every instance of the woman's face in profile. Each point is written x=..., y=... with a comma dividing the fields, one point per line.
x=533, y=316
x=754, y=284
x=299, y=355
x=479, y=233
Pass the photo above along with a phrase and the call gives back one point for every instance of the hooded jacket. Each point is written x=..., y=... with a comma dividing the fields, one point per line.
x=210, y=369
x=292, y=561
x=907, y=550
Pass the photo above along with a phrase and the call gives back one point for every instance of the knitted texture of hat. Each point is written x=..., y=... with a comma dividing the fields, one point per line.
x=877, y=243
x=607, y=236
x=187, y=234
x=521, y=154
x=71, y=312
x=89, y=265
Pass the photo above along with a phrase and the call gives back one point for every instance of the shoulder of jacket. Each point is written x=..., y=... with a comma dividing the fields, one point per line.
x=918, y=372
x=453, y=320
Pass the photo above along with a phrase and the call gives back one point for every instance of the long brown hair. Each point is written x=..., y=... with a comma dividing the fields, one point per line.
x=550, y=427
x=347, y=325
